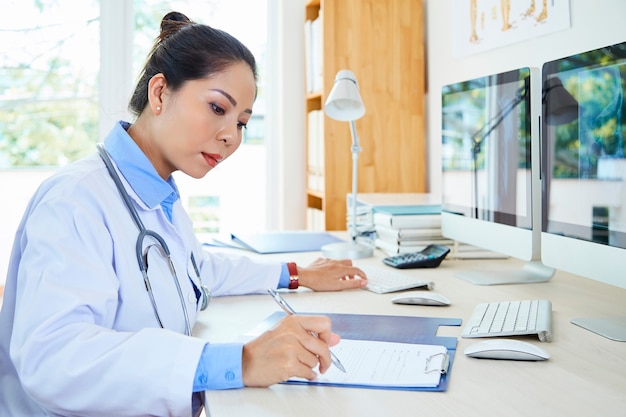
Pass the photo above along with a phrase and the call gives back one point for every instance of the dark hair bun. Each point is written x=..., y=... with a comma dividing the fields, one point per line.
x=173, y=21
x=185, y=50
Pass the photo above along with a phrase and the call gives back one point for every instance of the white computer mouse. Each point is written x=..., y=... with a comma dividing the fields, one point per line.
x=510, y=349
x=421, y=298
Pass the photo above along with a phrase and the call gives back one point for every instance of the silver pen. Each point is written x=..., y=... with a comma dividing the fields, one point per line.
x=287, y=309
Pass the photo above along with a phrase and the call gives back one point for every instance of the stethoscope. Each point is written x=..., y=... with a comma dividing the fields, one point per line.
x=142, y=255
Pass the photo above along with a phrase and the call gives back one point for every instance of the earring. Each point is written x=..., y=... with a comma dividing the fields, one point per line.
x=158, y=108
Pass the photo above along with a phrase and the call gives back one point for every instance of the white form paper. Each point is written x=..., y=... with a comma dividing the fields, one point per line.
x=385, y=364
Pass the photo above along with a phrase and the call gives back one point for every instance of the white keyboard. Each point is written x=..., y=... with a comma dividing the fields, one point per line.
x=511, y=318
x=382, y=280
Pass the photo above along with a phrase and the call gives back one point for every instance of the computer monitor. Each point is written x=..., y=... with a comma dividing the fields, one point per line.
x=491, y=191
x=584, y=171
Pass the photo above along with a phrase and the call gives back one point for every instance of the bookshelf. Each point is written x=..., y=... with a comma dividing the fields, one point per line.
x=382, y=42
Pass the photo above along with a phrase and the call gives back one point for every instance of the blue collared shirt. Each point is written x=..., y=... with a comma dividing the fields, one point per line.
x=139, y=172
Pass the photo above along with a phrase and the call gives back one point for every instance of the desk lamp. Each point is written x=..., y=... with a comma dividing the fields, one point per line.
x=345, y=105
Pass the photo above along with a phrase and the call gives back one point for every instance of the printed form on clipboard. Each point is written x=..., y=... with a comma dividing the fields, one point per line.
x=374, y=364
x=371, y=343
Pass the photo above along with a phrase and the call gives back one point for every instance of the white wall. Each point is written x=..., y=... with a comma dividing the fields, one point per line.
x=594, y=24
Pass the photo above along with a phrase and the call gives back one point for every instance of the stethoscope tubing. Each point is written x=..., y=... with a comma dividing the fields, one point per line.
x=143, y=232
x=120, y=187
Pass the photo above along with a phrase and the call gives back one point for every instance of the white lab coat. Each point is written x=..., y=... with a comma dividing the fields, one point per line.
x=77, y=325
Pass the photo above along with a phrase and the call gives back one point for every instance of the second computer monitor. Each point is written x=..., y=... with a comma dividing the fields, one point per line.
x=584, y=172
x=491, y=188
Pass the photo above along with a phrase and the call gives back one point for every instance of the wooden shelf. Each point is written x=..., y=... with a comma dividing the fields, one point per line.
x=381, y=41
x=313, y=102
x=315, y=200
x=312, y=9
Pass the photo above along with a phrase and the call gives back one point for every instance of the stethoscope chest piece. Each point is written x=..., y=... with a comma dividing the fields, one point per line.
x=206, y=297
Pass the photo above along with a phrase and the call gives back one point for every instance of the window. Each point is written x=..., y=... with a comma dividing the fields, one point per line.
x=50, y=102
x=48, y=94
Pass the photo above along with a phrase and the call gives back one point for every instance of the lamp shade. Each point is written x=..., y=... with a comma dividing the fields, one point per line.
x=344, y=101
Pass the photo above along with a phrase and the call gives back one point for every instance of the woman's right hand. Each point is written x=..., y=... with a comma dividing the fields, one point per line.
x=288, y=350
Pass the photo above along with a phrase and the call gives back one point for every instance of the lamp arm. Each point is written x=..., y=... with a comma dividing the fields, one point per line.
x=495, y=121
x=479, y=137
x=356, y=149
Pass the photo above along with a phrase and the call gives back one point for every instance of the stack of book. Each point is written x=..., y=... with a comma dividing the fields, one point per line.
x=408, y=229
x=399, y=223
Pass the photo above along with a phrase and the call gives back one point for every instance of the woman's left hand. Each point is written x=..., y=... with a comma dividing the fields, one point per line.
x=331, y=275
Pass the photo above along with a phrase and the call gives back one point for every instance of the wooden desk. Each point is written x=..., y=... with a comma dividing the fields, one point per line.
x=585, y=376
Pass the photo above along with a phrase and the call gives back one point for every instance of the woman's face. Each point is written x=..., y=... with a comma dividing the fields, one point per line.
x=202, y=123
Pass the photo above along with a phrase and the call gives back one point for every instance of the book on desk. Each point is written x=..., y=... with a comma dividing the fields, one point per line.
x=401, y=248
x=388, y=206
x=409, y=217
x=396, y=241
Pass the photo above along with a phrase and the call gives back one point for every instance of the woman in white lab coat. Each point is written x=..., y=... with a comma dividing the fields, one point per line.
x=80, y=334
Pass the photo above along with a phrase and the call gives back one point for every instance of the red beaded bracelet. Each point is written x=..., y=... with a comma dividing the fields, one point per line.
x=294, y=278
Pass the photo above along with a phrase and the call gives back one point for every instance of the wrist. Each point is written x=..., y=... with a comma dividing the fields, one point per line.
x=294, y=277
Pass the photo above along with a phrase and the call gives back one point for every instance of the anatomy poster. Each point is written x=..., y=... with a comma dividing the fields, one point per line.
x=481, y=25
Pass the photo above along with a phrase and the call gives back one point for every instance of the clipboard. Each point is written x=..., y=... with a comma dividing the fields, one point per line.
x=400, y=329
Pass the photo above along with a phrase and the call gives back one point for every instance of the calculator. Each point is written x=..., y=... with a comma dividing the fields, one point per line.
x=429, y=257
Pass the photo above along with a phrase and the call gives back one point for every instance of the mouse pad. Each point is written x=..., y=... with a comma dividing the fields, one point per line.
x=401, y=329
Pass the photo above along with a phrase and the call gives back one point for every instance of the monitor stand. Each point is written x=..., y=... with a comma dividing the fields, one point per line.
x=613, y=328
x=532, y=272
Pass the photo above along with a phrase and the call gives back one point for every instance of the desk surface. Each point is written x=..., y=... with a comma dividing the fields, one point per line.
x=585, y=376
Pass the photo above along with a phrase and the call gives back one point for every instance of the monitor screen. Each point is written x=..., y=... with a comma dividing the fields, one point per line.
x=490, y=170
x=584, y=168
